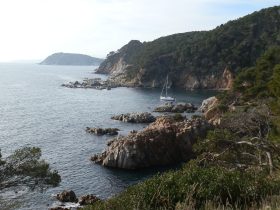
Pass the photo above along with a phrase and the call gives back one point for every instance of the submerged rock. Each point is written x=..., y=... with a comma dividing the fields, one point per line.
x=144, y=117
x=103, y=131
x=176, y=108
x=67, y=196
x=163, y=142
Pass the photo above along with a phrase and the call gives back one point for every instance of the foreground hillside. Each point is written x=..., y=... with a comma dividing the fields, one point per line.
x=237, y=165
x=206, y=59
x=71, y=59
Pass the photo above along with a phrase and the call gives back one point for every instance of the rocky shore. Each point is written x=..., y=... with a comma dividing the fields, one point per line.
x=70, y=197
x=164, y=142
x=144, y=117
x=176, y=108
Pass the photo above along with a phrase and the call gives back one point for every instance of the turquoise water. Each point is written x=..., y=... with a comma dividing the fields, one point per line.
x=36, y=111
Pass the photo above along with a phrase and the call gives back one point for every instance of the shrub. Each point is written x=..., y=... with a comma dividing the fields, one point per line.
x=178, y=117
x=198, y=185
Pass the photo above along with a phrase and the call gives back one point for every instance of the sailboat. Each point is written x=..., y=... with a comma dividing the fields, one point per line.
x=166, y=97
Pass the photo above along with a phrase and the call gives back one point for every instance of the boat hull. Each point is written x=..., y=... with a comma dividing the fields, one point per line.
x=162, y=98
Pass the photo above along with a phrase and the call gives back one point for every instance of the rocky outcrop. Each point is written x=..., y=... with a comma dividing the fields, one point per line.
x=95, y=83
x=103, y=131
x=88, y=200
x=144, y=117
x=210, y=110
x=67, y=196
x=163, y=142
x=176, y=108
x=72, y=201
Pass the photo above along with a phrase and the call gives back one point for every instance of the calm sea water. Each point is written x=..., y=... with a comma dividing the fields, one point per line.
x=36, y=111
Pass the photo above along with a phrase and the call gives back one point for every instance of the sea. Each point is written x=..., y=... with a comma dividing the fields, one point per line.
x=35, y=110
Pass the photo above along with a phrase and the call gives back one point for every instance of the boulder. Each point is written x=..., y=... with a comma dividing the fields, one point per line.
x=88, y=200
x=144, y=117
x=210, y=110
x=67, y=196
x=208, y=104
x=103, y=131
x=164, y=142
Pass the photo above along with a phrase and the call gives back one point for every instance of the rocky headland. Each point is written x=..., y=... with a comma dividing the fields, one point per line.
x=195, y=60
x=71, y=59
x=164, y=142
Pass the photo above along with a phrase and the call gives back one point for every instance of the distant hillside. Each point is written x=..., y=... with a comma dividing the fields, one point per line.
x=71, y=59
x=204, y=59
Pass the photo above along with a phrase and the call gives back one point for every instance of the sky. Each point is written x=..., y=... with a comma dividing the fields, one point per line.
x=34, y=29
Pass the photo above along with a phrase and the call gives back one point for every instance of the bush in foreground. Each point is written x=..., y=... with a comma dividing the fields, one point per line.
x=195, y=186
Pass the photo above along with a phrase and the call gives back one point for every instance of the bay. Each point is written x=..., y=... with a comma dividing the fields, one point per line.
x=36, y=111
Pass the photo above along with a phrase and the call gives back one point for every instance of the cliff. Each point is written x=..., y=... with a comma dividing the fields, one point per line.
x=196, y=60
x=71, y=59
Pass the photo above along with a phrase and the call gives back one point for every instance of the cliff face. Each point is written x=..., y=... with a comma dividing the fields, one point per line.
x=119, y=62
x=193, y=60
x=71, y=59
x=163, y=142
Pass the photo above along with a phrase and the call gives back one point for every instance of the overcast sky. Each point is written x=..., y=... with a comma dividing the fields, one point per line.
x=34, y=29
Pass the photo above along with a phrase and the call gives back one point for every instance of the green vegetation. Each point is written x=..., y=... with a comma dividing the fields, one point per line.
x=261, y=80
x=235, y=45
x=24, y=167
x=195, y=186
x=237, y=164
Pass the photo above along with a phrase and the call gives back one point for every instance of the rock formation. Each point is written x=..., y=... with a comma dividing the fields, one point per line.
x=103, y=131
x=94, y=83
x=210, y=110
x=144, y=117
x=88, y=200
x=67, y=196
x=176, y=108
x=164, y=142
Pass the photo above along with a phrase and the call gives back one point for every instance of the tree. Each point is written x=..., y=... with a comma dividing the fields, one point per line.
x=24, y=167
x=274, y=85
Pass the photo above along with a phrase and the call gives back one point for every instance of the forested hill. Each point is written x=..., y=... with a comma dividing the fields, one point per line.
x=71, y=59
x=206, y=59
